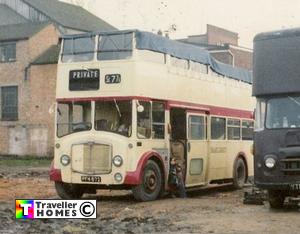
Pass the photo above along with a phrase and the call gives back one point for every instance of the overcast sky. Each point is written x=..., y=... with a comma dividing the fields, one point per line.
x=246, y=17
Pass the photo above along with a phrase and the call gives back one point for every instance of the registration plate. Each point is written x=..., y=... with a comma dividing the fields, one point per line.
x=295, y=186
x=91, y=179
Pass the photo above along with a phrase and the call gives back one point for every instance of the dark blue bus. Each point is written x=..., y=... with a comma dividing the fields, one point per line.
x=276, y=85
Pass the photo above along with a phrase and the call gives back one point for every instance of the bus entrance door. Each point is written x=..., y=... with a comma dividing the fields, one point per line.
x=196, y=149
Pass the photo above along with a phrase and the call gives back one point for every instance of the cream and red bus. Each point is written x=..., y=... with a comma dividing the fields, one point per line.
x=128, y=101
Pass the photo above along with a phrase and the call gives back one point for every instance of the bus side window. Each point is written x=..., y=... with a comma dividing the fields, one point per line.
x=197, y=128
x=247, y=130
x=144, y=121
x=218, y=128
x=233, y=129
x=158, y=120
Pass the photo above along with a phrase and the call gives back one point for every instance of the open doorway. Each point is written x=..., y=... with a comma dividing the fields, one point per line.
x=178, y=137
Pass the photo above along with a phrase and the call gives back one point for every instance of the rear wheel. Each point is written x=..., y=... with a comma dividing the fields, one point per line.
x=151, y=185
x=68, y=191
x=276, y=199
x=239, y=174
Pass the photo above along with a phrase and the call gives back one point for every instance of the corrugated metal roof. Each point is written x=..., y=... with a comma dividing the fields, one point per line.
x=50, y=56
x=20, y=31
x=8, y=16
x=70, y=16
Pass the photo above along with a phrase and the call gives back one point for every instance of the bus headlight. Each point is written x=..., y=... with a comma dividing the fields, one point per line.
x=118, y=177
x=270, y=162
x=117, y=161
x=65, y=160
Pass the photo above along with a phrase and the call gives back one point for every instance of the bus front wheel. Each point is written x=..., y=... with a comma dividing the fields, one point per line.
x=239, y=174
x=151, y=185
x=276, y=199
x=68, y=191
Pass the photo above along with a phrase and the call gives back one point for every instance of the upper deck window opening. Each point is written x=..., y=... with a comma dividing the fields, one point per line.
x=79, y=49
x=198, y=67
x=177, y=62
x=115, y=47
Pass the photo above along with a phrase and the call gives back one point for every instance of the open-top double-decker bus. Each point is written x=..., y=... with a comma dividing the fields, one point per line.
x=276, y=85
x=128, y=101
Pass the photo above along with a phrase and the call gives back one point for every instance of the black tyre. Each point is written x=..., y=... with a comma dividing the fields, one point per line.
x=239, y=174
x=68, y=191
x=151, y=185
x=276, y=199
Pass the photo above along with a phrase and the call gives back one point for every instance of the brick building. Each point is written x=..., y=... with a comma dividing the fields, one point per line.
x=29, y=37
x=223, y=45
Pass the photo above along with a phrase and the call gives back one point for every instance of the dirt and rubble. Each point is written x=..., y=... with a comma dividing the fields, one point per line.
x=215, y=210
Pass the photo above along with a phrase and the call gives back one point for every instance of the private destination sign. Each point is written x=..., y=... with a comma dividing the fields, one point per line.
x=85, y=79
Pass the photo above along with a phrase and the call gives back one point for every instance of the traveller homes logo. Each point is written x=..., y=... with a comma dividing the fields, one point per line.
x=56, y=209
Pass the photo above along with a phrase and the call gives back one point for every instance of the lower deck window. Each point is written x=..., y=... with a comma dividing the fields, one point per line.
x=218, y=128
x=234, y=129
x=247, y=130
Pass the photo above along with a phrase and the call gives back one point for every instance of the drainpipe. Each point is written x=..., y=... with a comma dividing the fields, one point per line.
x=26, y=77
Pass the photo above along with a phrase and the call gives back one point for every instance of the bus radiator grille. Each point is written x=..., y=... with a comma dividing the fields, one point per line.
x=291, y=166
x=91, y=158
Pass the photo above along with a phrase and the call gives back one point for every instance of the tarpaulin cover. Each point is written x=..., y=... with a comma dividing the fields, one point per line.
x=153, y=42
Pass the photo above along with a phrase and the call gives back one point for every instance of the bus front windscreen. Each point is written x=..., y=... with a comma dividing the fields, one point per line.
x=283, y=112
x=114, y=116
x=73, y=117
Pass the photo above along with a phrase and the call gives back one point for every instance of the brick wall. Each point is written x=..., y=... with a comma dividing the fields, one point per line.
x=216, y=35
x=242, y=58
x=30, y=134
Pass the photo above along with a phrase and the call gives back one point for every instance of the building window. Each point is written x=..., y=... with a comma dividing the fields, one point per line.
x=7, y=52
x=9, y=103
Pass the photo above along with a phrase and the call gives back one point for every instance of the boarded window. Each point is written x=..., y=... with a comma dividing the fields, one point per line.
x=9, y=103
x=218, y=128
x=247, y=130
x=7, y=52
x=197, y=129
x=234, y=129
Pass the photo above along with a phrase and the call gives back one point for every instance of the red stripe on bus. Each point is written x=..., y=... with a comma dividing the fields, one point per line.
x=212, y=110
x=55, y=174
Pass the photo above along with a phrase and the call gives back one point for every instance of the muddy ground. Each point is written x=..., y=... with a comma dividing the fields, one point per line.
x=215, y=210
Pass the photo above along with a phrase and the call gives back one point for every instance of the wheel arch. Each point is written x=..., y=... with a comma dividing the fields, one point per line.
x=135, y=177
x=242, y=156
